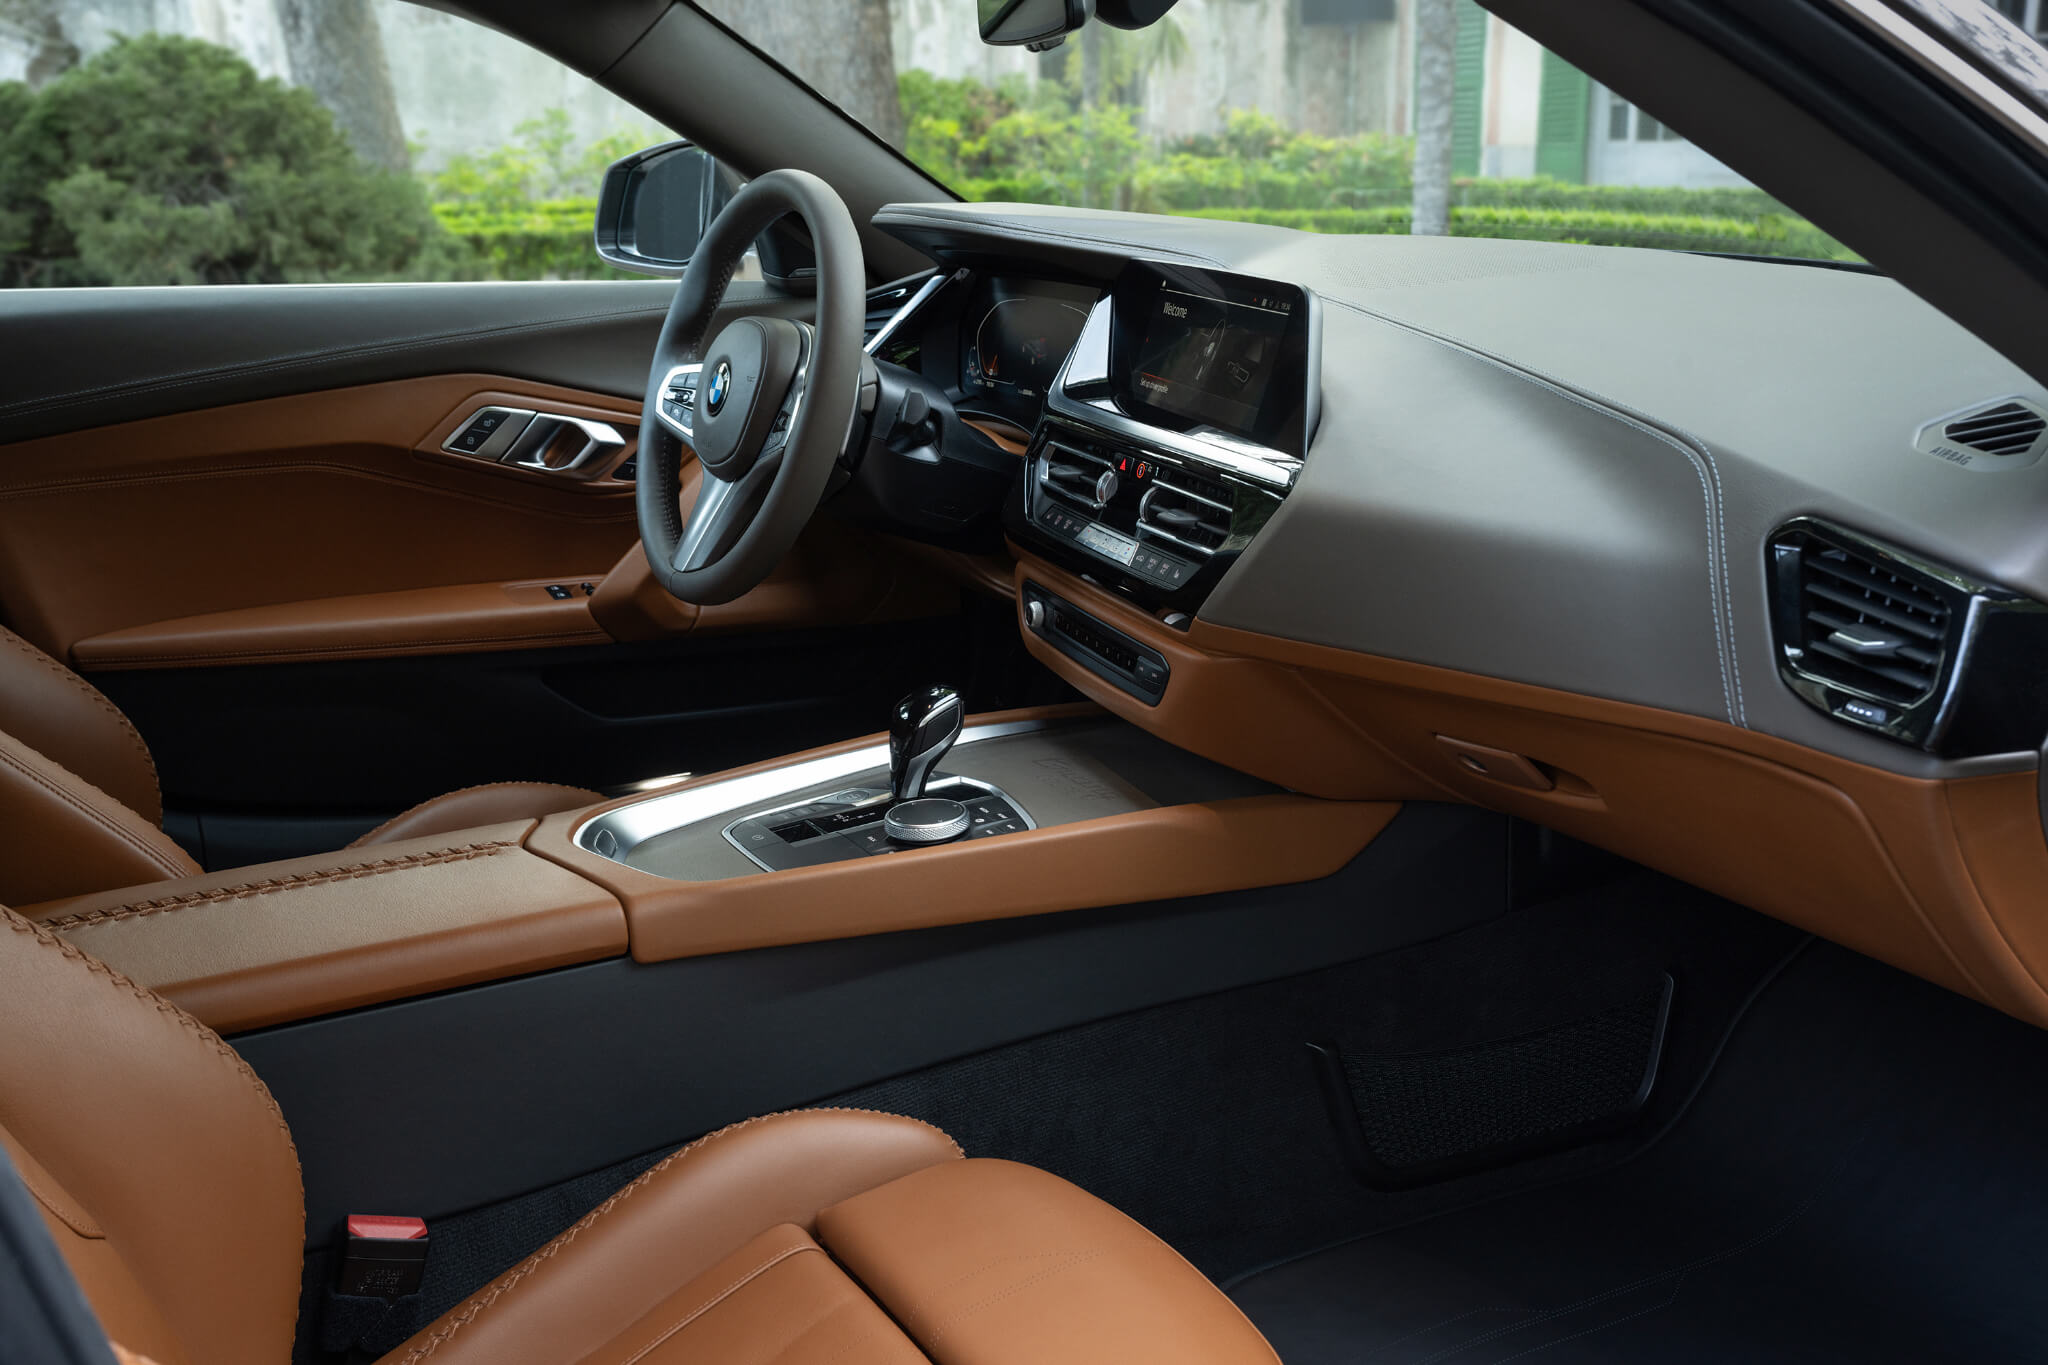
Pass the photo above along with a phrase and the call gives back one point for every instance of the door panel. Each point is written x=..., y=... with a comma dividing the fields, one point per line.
x=233, y=509
x=102, y=356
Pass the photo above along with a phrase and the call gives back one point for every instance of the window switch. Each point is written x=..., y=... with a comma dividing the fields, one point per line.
x=558, y=592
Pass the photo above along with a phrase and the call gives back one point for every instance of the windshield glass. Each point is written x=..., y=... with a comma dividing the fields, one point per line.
x=1348, y=116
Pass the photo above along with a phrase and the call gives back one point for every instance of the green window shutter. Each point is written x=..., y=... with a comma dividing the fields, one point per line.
x=1469, y=92
x=1564, y=106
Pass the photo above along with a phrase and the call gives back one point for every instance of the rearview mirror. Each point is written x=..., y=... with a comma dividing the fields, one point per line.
x=654, y=206
x=1033, y=24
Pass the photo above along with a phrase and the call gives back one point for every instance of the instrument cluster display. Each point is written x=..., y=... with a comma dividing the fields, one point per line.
x=1015, y=335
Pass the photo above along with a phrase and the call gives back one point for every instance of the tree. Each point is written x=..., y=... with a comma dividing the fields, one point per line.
x=166, y=160
x=841, y=50
x=337, y=52
x=1436, y=78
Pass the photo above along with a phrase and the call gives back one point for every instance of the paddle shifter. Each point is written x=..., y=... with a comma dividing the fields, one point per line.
x=922, y=729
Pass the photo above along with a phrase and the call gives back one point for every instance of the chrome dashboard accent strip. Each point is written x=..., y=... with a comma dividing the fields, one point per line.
x=616, y=833
x=902, y=315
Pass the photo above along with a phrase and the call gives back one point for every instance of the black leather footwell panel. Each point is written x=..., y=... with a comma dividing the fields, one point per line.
x=1859, y=1179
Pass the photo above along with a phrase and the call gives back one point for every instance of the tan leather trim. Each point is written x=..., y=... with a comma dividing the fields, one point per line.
x=993, y=1263
x=61, y=836
x=160, y=1133
x=673, y=1224
x=1144, y=855
x=43, y=1187
x=1944, y=879
x=124, y=1356
x=466, y=618
x=468, y=807
x=283, y=501
x=1013, y=439
x=309, y=936
x=66, y=719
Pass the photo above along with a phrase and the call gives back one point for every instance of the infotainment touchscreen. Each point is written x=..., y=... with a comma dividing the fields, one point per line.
x=1194, y=348
x=1211, y=357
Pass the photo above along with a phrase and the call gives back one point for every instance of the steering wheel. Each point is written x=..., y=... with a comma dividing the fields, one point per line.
x=766, y=404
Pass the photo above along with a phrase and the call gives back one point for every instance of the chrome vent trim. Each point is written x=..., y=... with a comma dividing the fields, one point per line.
x=1867, y=627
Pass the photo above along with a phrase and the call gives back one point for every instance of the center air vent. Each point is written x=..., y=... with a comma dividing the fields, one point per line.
x=1187, y=511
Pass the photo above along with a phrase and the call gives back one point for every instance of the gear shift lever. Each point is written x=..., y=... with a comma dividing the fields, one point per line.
x=923, y=728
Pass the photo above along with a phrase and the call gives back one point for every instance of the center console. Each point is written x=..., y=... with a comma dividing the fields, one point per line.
x=1170, y=437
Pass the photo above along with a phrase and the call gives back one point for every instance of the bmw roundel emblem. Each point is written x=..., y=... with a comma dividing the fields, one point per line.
x=721, y=381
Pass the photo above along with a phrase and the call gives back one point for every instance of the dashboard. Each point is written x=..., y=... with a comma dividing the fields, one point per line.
x=1735, y=568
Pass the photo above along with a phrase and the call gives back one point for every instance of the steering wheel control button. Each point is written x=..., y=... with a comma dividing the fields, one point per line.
x=927, y=820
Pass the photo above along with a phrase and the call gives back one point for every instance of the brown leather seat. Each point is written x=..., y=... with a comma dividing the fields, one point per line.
x=79, y=806
x=168, y=1178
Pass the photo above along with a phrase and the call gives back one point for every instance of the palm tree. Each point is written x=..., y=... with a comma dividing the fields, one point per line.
x=1436, y=79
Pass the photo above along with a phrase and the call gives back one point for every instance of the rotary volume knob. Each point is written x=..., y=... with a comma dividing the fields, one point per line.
x=927, y=820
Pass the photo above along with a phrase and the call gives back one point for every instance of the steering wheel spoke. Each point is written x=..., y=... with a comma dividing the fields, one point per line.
x=723, y=511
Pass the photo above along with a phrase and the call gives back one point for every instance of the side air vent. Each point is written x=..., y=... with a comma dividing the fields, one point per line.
x=2005, y=433
x=1186, y=510
x=1923, y=653
x=1868, y=627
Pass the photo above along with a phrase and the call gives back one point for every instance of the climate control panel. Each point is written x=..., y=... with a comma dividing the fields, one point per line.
x=1157, y=525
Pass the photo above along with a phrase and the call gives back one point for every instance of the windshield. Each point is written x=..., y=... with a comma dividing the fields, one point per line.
x=1345, y=116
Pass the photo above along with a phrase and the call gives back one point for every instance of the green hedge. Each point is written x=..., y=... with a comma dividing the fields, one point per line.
x=549, y=239
x=1767, y=235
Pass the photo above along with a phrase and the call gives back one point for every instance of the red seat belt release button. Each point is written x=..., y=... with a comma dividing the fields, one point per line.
x=384, y=1256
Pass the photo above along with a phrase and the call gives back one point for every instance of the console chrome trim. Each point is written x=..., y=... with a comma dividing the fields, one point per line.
x=614, y=834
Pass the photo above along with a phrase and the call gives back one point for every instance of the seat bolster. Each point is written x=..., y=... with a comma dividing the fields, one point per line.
x=778, y=1298
x=62, y=836
x=670, y=1226
x=60, y=715
x=468, y=807
x=992, y=1263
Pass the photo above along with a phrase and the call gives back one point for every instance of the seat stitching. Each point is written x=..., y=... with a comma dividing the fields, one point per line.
x=495, y=1291
x=291, y=882
x=113, y=977
x=98, y=697
x=720, y=1297
x=94, y=813
x=368, y=835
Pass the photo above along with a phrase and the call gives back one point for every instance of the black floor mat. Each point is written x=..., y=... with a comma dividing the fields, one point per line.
x=1207, y=1121
x=1859, y=1179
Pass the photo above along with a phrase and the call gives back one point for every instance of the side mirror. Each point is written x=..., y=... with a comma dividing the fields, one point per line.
x=1033, y=24
x=654, y=206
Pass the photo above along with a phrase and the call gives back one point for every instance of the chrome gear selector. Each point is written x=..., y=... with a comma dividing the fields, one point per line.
x=922, y=729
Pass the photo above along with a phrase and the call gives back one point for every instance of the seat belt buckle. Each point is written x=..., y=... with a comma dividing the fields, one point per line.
x=383, y=1257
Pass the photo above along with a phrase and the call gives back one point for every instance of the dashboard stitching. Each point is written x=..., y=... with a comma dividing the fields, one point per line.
x=1695, y=451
